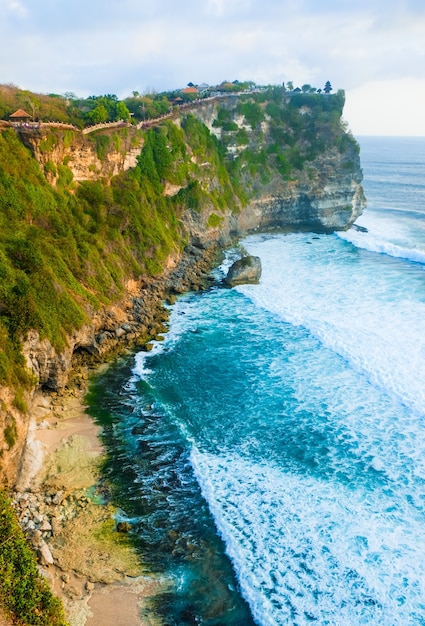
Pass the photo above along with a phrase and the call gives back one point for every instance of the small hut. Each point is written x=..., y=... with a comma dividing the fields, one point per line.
x=20, y=117
x=191, y=91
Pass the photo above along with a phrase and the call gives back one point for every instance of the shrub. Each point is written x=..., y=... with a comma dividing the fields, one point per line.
x=47, y=144
x=214, y=220
x=242, y=138
x=65, y=176
x=50, y=168
x=102, y=146
x=19, y=401
x=252, y=112
x=230, y=126
x=10, y=433
x=24, y=595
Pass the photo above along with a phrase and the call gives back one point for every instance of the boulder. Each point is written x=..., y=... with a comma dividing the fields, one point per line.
x=246, y=270
x=123, y=527
x=46, y=557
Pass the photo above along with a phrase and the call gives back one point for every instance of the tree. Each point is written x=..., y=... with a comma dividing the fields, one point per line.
x=328, y=87
x=29, y=100
x=98, y=115
x=121, y=112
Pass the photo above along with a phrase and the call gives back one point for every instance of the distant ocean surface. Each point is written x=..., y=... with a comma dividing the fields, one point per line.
x=270, y=452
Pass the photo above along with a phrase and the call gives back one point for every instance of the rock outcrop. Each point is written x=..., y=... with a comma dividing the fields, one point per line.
x=246, y=270
x=328, y=199
x=101, y=155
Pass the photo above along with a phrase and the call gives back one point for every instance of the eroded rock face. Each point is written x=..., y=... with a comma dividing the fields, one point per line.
x=325, y=195
x=246, y=270
x=328, y=199
x=81, y=156
x=50, y=367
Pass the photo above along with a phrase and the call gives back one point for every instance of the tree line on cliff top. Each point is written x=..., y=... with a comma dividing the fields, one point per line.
x=82, y=112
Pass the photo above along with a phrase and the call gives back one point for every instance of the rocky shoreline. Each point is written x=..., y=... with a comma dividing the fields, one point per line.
x=138, y=316
x=60, y=500
x=66, y=513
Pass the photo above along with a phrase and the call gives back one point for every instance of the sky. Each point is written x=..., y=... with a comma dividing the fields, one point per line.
x=373, y=49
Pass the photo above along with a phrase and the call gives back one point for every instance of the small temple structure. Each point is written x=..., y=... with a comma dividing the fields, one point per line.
x=20, y=118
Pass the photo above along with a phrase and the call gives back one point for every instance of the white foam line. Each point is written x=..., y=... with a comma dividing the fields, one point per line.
x=372, y=243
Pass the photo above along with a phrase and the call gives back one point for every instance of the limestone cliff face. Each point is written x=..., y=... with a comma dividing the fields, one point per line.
x=325, y=195
x=316, y=203
x=89, y=157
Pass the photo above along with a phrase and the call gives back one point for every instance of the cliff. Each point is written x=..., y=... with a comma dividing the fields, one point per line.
x=98, y=229
x=298, y=164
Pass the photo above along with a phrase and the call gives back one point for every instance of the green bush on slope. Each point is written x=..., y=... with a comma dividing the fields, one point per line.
x=62, y=253
x=24, y=595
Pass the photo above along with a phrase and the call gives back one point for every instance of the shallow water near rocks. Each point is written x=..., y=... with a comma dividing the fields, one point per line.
x=270, y=452
x=153, y=481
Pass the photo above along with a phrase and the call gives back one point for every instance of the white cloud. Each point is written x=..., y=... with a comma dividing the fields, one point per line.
x=220, y=8
x=94, y=47
x=17, y=8
x=387, y=107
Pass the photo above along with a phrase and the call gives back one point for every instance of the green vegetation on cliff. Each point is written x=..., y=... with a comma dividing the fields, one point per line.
x=305, y=127
x=64, y=252
x=25, y=597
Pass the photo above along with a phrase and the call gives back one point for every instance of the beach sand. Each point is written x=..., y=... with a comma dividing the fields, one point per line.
x=95, y=570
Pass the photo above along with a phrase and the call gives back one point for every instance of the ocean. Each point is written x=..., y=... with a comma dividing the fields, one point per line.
x=270, y=451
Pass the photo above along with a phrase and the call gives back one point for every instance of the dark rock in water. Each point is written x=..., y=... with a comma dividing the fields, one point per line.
x=244, y=271
x=360, y=229
x=123, y=527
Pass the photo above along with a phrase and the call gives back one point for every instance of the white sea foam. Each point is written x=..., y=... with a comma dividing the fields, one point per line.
x=368, y=313
x=177, y=327
x=306, y=549
x=383, y=237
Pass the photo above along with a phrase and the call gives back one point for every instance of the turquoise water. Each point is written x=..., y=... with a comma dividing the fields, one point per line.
x=270, y=452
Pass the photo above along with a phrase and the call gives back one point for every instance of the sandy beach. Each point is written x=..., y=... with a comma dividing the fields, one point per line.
x=90, y=565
